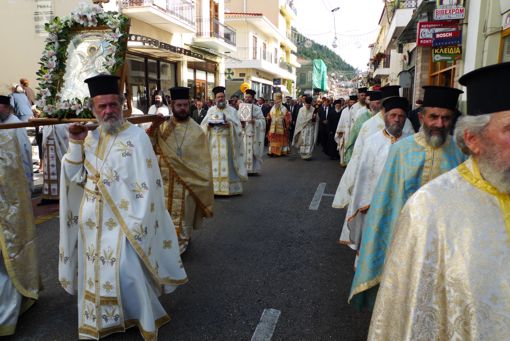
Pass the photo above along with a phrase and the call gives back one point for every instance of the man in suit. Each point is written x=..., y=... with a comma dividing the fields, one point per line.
x=324, y=111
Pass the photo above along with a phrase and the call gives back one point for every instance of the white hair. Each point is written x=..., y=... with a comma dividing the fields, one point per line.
x=475, y=124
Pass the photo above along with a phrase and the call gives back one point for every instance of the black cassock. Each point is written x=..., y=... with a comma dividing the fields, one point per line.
x=330, y=148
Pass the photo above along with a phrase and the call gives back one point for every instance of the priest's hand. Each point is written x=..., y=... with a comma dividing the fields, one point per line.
x=78, y=131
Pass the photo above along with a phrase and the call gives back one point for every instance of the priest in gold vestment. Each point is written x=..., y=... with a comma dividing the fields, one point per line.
x=19, y=278
x=185, y=162
x=278, y=134
x=224, y=133
x=118, y=247
x=447, y=275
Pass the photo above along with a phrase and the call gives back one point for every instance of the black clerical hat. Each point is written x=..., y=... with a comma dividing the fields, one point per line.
x=441, y=97
x=103, y=85
x=179, y=92
x=216, y=90
x=396, y=102
x=251, y=92
x=337, y=102
x=390, y=91
x=486, y=89
x=362, y=90
x=375, y=95
x=5, y=100
x=308, y=100
x=353, y=97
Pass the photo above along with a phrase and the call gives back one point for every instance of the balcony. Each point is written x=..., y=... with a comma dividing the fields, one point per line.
x=401, y=13
x=212, y=34
x=175, y=16
x=249, y=58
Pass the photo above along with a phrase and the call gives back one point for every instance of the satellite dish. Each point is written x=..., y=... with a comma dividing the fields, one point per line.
x=308, y=43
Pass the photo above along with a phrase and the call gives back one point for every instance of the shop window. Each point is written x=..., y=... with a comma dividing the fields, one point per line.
x=167, y=76
x=442, y=73
x=504, y=48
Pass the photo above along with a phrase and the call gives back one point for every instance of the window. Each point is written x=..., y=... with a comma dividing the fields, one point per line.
x=264, y=51
x=504, y=47
x=442, y=73
x=276, y=55
x=254, y=56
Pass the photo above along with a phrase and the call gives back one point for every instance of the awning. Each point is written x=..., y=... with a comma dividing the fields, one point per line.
x=408, y=35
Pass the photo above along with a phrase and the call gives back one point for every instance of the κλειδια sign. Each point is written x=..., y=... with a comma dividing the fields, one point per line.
x=446, y=53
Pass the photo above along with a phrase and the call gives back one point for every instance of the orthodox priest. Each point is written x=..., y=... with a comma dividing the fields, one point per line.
x=411, y=163
x=344, y=126
x=253, y=123
x=278, y=134
x=370, y=167
x=375, y=98
x=446, y=275
x=373, y=125
x=185, y=163
x=307, y=129
x=224, y=133
x=118, y=247
x=55, y=143
x=19, y=278
x=7, y=117
x=332, y=123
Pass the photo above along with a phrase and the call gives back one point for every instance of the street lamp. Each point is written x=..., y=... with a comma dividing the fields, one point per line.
x=334, y=45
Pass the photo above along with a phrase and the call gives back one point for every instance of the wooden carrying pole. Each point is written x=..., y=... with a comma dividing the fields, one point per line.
x=37, y=122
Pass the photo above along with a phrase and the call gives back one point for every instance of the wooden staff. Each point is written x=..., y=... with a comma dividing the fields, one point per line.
x=37, y=122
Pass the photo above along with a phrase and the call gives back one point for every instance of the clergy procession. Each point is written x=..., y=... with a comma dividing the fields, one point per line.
x=344, y=215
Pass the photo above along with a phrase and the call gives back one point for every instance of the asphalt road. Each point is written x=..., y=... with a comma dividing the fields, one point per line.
x=264, y=249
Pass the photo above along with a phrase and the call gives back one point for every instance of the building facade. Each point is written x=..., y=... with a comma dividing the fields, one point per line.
x=266, y=56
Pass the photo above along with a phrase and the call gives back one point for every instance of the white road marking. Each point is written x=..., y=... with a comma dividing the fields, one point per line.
x=266, y=326
x=316, y=200
x=328, y=195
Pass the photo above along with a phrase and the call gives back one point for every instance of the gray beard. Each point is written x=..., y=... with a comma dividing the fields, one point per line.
x=394, y=129
x=112, y=127
x=221, y=105
x=494, y=173
x=433, y=140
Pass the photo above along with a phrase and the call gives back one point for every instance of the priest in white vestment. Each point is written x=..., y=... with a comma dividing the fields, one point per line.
x=19, y=277
x=307, y=129
x=118, y=247
x=371, y=165
x=373, y=125
x=7, y=117
x=344, y=127
x=446, y=276
x=253, y=123
x=224, y=132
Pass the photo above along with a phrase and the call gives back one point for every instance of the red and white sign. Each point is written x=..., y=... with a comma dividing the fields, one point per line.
x=427, y=29
x=449, y=13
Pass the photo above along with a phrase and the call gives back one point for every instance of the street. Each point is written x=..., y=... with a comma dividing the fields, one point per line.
x=274, y=247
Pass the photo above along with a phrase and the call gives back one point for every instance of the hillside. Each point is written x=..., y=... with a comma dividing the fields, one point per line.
x=334, y=62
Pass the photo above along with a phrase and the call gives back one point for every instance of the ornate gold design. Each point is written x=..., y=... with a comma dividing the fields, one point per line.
x=149, y=163
x=64, y=282
x=167, y=244
x=111, y=224
x=124, y=204
x=108, y=287
x=140, y=189
x=90, y=223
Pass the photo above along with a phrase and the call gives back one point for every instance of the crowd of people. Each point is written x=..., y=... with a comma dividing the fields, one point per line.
x=427, y=213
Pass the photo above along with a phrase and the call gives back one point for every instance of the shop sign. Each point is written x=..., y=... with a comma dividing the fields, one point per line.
x=446, y=53
x=449, y=3
x=426, y=30
x=449, y=13
x=447, y=38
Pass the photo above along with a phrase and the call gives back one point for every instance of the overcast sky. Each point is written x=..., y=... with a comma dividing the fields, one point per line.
x=356, y=26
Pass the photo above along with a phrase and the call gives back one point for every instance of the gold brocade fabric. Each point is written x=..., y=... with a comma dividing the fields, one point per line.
x=194, y=168
x=17, y=230
x=447, y=276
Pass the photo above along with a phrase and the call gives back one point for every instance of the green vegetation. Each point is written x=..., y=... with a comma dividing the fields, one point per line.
x=334, y=62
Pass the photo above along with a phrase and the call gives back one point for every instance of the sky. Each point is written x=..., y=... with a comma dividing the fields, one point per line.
x=357, y=26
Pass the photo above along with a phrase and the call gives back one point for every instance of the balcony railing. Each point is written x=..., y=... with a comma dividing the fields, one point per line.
x=245, y=53
x=181, y=9
x=215, y=29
